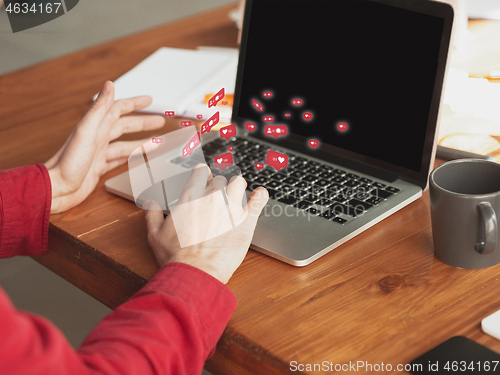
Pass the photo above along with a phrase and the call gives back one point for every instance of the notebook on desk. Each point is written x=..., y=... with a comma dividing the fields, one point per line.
x=363, y=79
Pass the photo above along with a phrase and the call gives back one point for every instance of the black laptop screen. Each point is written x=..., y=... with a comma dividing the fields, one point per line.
x=365, y=72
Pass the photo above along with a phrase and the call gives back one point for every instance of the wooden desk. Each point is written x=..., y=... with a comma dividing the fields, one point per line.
x=381, y=297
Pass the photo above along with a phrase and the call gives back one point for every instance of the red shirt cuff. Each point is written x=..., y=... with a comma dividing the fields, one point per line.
x=25, y=200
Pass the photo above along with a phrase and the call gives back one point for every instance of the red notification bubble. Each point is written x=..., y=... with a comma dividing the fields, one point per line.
x=169, y=113
x=230, y=148
x=276, y=130
x=342, y=126
x=224, y=103
x=257, y=105
x=276, y=160
x=250, y=127
x=297, y=101
x=313, y=143
x=210, y=123
x=259, y=166
x=223, y=161
x=308, y=116
x=157, y=140
x=268, y=118
x=267, y=94
x=287, y=114
x=228, y=131
x=185, y=123
x=212, y=102
x=199, y=117
x=191, y=145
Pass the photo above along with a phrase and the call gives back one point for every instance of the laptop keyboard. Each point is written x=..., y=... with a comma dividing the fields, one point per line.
x=332, y=193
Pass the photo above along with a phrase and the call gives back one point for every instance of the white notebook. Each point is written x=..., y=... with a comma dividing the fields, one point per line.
x=179, y=79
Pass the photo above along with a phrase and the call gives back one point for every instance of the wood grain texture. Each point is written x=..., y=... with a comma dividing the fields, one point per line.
x=381, y=297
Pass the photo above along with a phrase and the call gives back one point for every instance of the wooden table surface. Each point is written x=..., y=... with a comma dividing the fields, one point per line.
x=381, y=297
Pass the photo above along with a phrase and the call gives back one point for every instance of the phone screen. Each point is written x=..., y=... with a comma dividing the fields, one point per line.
x=458, y=355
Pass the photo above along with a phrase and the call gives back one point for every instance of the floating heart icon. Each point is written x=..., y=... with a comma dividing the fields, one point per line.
x=230, y=148
x=259, y=166
x=199, y=117
x=342, y=126
x=281, y=160
x=224, y=131
x=219, y=160
x=308, y=116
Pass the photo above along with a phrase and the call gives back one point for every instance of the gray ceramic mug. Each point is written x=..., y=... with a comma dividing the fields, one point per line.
x=465, y=201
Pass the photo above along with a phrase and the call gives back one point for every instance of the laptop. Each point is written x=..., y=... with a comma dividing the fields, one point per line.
x=349, y=94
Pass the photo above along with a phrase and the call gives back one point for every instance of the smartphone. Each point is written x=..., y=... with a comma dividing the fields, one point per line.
x=458, y=355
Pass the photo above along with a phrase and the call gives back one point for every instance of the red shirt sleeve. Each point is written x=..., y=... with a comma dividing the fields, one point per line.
x=25, y=199
x=171, y=326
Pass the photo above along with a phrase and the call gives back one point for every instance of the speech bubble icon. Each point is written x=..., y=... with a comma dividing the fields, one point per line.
x=210, y=123
x=228, y=131
x=157, y=140
x=185, y=123
x=169, y=113
x=223, y=161
x=313, y=143
x=288, y=114
x=276, y=130
x=249, y=126
x=267, y=94
x=216, y=98
x=342, y=126
x=199, y=117
x=308, y=116
x=259, y=166
x=268, y=118
x=276, y=160
x=297, y=101
x=224, y=102
x=194, y=142
x=230, y=148
x=257, y=105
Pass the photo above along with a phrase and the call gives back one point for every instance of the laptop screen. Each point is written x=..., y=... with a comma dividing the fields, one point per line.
x=355, y=75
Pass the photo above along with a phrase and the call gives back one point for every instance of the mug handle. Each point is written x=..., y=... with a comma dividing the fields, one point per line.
x=488, y=237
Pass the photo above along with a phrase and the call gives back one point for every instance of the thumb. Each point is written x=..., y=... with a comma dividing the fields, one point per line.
x=100, y=107
x=153, y=215
x=256, y=202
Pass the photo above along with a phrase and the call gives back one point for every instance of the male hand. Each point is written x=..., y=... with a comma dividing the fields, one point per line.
x=199, y=215
x=88, y=154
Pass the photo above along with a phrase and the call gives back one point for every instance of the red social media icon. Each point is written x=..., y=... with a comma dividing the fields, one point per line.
x=228, y=131
x=287, y=114
x=191, y=145
x=216, y=98
x=276, y=160
x=224, y=103
x=157, y=140
x=268, y=118
x=257, y=105
x=313, y=143
x=210, y=123
x=169, y=113
x=185, y=123
x=199, y=117
x=259, y=166
x=342, y=126
x=230, y=148
x=308, y=116
x=223, y=161
x=297, y=101
x=275, y=130
x=267, y=94
x=249, y=126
